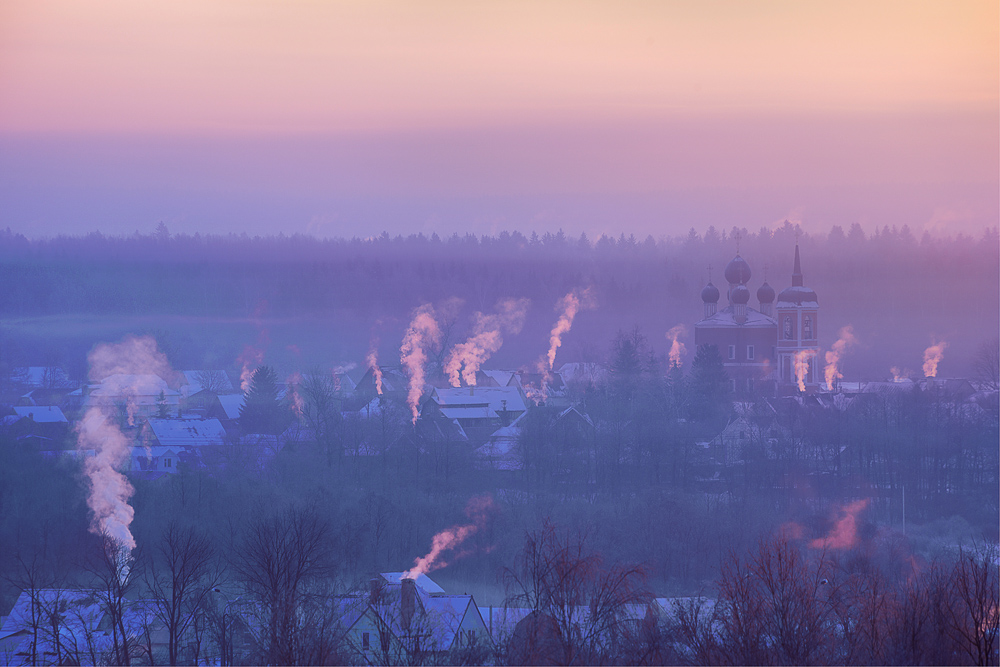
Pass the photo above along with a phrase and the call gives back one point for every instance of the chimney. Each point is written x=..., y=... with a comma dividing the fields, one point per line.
x=375, y=590
x=407, y=602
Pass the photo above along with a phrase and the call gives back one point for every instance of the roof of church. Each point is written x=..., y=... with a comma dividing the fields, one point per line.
x=726, y=318
x=797, y=296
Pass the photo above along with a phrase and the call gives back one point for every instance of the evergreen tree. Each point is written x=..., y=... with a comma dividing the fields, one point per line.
x=161, y=403
x=710, y=393
x=261, y=411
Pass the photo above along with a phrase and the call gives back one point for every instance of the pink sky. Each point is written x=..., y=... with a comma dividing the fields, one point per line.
x=441, y=116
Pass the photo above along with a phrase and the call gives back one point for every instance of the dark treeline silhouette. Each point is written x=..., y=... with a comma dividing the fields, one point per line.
x=643, y=496
x=898, y=292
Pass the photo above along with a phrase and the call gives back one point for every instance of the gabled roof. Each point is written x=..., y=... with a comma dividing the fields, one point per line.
x=39, y=376
x=489, y=400
x=187, y=432
x=138, y=385
x=40, y=414
x=193, y=385
x=231, y=404
x=445, y=614
x=583, y=372
x=726, y=317
x=502, y=378
x=422, y=581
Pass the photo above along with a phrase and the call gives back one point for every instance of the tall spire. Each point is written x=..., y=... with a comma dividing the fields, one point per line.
x=797, y=269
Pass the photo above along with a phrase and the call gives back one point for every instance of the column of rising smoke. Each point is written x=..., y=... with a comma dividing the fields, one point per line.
x=478, y=509
x=294, y=381
x=845, y=340
x=486, y=339
x=372, y=361
x=569, y=305
x=422, y=333
x=676, y=347
x=932, y=357
x=109, y=490
x=802, y=358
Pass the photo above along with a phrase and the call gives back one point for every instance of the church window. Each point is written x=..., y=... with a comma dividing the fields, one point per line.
x=750, y=352
x=807, y=327
x=788, y=328
x=732, y=351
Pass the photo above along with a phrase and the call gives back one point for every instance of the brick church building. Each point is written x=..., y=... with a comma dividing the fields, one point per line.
x=762, y=347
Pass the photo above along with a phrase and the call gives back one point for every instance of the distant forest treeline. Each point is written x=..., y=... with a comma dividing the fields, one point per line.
x=898, y=292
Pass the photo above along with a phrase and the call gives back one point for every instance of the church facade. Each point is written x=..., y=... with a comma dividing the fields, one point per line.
x=771, y=347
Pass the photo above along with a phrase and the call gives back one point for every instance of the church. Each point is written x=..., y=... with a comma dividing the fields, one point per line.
x=772, y=348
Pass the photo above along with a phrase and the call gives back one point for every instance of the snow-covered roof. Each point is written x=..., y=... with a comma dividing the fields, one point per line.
x=583, y=372
x=40, y=414
x=187, y=432
x=797, y=296
x=726, y=317
x=445, y=614
x=422, y=581
x=120, y=384
x=502, y=378
x=40, y=376
x=494, y=398
x=193, y=384
x=231, y=404
x=468, y=412
x=512, y=430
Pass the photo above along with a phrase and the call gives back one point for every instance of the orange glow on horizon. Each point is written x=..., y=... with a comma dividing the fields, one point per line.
x=225, y=66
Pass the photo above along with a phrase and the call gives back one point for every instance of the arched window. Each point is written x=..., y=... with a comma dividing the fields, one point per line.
x=807, y=328
x=788, y=328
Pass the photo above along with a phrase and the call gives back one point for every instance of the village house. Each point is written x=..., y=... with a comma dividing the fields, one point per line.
x=164, y=443
x=399, y=620
x=144, y=395
x=72, y=627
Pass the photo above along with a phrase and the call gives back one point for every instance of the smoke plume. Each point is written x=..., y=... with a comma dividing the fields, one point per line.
x=128, y=366
x=293, y=382
x=844, y=534
x=372, y=361
x=253, y=355
x=109, y=490
x=422, y=334
x=932, y=357
x=568, y=307
x=478, y=509
x=845, y=340
x=802, y=361
x=486, y=339
x=676, y=347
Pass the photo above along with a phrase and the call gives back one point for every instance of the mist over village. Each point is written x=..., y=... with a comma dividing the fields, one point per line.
x=499, y=334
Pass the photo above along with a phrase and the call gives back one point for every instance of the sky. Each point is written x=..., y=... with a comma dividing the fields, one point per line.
x=353, y=118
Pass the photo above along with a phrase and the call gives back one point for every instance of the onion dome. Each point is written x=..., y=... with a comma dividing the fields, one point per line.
x=737, y=271
x=740, y=295
x=765, y=293
x=710, y=294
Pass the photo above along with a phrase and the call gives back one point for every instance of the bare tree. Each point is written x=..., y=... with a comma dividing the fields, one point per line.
x=115, y=577
x=973, y=607
x=281, y=560
x=181, y=575
x=322, y=410
x=578, y=607
x=986, y=364
x=31, y=579
x=776, y=607
x=215, y=382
